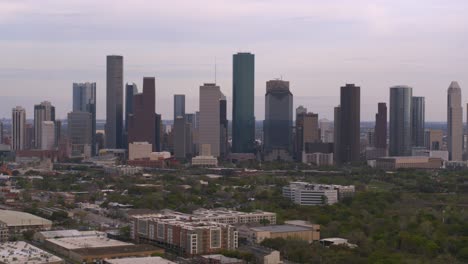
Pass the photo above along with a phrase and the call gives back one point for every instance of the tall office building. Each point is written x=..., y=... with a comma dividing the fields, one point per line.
x=350, y=122
x=47, y=135
x=179, y=105
x=18, y=124
x=159, y=133
x=142, y=123
x=243, y=117
x=84, y=100
x=1, y=133
x=29, y=137
x=336, y=134
x=454, y=122
x=58, y=132
x=307, y=131
x=80, y=125
x=42, y=112
x=278, y=123
x=114, y=102
x=223, y=122
x=180, y=144
x=130, y=90
x=417, y=121
x=210, y=128
x=400, y=120
x=380, y=129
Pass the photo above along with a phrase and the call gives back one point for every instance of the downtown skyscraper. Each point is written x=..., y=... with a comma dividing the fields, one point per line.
x=179, y=105
x=380, y=128
x=130, y=90
x=243, y=117
x=454, y=122
x=350, y=122
x=84, y=100
x=400, y=120
x=18, y=128
x=210, y=127
x=417, y=121
x=44, y=111
x=114, y=102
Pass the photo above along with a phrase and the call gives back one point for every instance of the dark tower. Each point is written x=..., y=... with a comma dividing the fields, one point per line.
x=350, y=120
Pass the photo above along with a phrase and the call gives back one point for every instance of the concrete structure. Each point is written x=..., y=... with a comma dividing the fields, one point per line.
x=139, y=150
x=210, y=129
x=42, y=112
x=179, y=105
x=142, y=122
x=183, y=234
x=434, y=139
x=80, y=133
x=47, y=135
x=400, y=120
x=180, y=137
x=454, y=122
x=114, y=102
x=417, y=121
x=350, y=122
x=20, y=252
x=141, y=260
x=307, y=131
x=84, y=100
x=226, y=216
x=278, y=123
x=18, y=222
x=18, y=128
x=130, y=90
x=304, y=193
x=380, y=129
x=409, y=162
x=42, y=236
x=243, y=89
x=260, y=233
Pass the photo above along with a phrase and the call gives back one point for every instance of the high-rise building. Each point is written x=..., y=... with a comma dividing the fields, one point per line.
x=159, y=133
x=336, y=134
x=29, y=137
x=80, y=133
x=224, y=145
x=454, y=122
x=58, y=132
x=1, y=133
x=417, y=121
x=210, y=128
x=350, y=122
x=42, y=112
x=84, y=100
x=180, y=144
x=307, y=131
x=142, y=123
x=300, y=110
x=400, y=120
x=18, y=125
x=433, y=139
x=243, y=117
x=278, y=124
x=179, y=105
x=380, y=129
x=130, y=90
x=114, y=102
x=47, y=135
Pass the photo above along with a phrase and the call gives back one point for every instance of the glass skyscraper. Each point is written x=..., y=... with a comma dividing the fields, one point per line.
x=400, y=120
x=417, y=121
x=243, y=118
x=179, y=105
x=114, y=102
x=84, y=100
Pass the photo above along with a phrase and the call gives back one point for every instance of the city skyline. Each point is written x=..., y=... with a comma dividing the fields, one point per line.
x=426, y=55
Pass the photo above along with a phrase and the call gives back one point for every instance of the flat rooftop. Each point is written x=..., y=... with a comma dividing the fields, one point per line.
x=129, y=249
x=69, y=233
x=281, y=228
x=144, y=260
x=86, y=242
x=21, y=252
x=16, y=218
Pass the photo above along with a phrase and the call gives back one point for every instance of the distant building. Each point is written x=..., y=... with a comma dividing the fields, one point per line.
x=380, y=130
x=233, y=217
x=138, y=260
x=47, y=135
x=243, y=89
x=18, y=128
x=179, y=105
x=307, y=131
x=454, y=122
x=130, y=90
x=180, y=137
x=304, y=193
x=80, y=133
x=218, y=259
x=400, y=120
x=408, y=162
x=434, y=139
x=1, y=132
x=17, y=222
x=84, y=100
x=44, y=111
x=114, y=102
x=224, y=127
x=278, y=123
x=417, y=121
x=20, y=252
x=139, y=150
x=309, y=233
x=350, y=122
x=210, y=128
x=318, y=153
x=336, y=135
x=443, y=154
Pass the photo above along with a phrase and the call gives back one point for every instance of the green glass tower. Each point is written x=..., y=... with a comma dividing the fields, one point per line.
x=243, y=88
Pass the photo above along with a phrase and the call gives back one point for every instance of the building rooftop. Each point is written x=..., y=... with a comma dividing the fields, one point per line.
x=21, y=252
x=144, y=260
x=69, y=233
x=222, y=259
x=15, y=218
x=110, y=250
x=86, y=242
x=281, y=228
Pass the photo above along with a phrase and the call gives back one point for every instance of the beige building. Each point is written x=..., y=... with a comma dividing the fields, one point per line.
x=454, y=122
x=139, y=150
x=210, y=127
x=433, y=139
x=48, y=135
x=17, y=222
x=408, y=162
x=18, y=128
x=301, y=231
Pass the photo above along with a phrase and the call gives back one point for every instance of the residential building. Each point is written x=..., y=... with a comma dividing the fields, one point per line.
x=42, y=112
x=18, y=128
x=417, y=121
x=454, y=122
x=278, y=123
x=114, y=102
x=80, y=133
x=243, y=89
x=350, y=122
x=400, y=120
x=84, y=100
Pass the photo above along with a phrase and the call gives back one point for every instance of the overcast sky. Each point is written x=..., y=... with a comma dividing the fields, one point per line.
x=317, y=45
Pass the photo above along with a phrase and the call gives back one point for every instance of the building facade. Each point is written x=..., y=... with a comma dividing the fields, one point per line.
x=417, y=121
x=47, y=135
x=380, y=130
x=210, y=128
x=179, y=105
x=243, y=117
x=114, y=102
x=400, y=120
x=18, y=128
x=84, y=100
x=350, y=123
x=44, y=111
x=454, y=122
x=80, y=133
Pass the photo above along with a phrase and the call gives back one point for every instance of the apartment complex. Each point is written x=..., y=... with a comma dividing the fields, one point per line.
x=304, y=193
